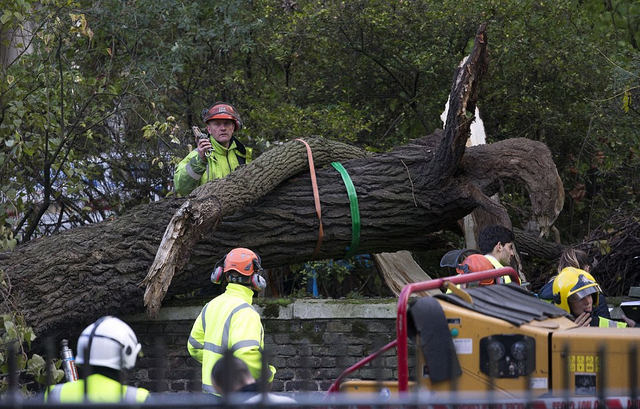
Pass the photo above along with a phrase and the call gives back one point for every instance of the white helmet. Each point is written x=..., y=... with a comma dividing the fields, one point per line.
x=111, y=342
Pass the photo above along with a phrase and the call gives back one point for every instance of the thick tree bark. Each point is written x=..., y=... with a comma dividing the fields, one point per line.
x=405, y=199
x=530, y=245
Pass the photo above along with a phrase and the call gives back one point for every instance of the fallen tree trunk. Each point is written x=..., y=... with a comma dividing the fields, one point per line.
x=437, y=184
x=405, y=199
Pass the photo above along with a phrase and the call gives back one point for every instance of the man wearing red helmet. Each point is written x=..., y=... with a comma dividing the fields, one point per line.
x=217, y=153
x=229, y=322
x=475, y=263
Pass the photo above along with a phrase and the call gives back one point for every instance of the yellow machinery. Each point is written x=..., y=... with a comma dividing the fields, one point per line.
x=502, y=340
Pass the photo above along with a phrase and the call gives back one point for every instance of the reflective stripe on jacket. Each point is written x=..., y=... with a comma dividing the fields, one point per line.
x=191, y=172
x=607, y=323
x=99, y=389
x=229, y=321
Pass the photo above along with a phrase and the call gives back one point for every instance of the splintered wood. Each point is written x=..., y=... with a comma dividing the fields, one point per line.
x=400, y=269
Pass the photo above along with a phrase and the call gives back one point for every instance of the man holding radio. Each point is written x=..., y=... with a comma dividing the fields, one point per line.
x=217, y=154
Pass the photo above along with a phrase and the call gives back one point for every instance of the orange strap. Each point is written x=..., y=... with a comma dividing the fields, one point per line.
x=316, y=196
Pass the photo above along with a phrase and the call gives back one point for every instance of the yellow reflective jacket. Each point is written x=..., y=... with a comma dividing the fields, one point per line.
x=496, y=264
x=228, y=322
x=100, y=389
x=607, y=323
x=191, y=172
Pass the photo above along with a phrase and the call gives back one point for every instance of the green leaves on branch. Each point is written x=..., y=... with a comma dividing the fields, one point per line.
x=15, y=335
x=7, y=241
x=87, y=118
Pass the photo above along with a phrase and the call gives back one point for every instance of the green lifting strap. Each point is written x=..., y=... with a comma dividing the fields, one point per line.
x=355, y=211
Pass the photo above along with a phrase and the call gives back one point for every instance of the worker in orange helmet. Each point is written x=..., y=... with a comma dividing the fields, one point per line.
x=229, y=322
x=476, y=263
x=468, y=261
x=217, y=154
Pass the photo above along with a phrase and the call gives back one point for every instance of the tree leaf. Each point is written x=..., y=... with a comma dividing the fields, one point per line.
x=6, y=16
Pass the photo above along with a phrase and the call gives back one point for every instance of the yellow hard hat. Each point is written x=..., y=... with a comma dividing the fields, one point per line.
x=572, y=281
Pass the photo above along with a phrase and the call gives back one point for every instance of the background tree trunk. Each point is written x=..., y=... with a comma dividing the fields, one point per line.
x=531, y=245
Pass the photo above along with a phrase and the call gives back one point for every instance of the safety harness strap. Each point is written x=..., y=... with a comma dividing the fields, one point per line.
x=316, y=196
x=353, y=205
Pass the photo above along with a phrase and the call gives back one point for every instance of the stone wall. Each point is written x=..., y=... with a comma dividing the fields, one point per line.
x=310, y=342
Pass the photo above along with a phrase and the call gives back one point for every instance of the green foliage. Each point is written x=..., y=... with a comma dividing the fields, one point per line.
x=71, y=153
x=353, y=278
x=15, y=335
x=287, y=122
x=554, y=70
x=7, y=241
x=94, y=118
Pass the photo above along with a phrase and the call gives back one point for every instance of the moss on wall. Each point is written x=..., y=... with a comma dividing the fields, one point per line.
x=271, y=306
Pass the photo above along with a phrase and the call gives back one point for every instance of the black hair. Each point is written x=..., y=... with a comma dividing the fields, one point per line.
x=492, y=235
x=229, y=373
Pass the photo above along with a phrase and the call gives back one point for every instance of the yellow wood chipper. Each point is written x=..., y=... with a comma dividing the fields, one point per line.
x=503, y=342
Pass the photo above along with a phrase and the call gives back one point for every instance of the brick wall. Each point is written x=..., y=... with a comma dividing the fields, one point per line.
x=310, y=342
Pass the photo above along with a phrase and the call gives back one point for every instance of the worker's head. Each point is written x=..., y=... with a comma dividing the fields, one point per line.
x=497, y=241
x=222, y=110
x=240, y=266
x=475, y=263
x=571, y=257
x=222, y=121
x=108, y=342
x=230, y=374
x=575, y=291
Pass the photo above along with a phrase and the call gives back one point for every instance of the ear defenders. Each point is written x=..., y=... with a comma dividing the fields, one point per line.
x=218, y=272
x=257, y=281
x=464, y=268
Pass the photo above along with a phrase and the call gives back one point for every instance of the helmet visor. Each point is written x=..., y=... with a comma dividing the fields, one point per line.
x=580, y=294
x=454, y=258
x=220, y=116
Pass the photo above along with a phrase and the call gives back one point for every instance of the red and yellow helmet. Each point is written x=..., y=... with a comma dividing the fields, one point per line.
x=222, y=110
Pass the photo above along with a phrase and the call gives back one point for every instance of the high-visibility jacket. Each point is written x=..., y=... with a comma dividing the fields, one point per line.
x=496, y=264
x=228, y=322
x=192, y=172
x=607, y=323
x=100, y=389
